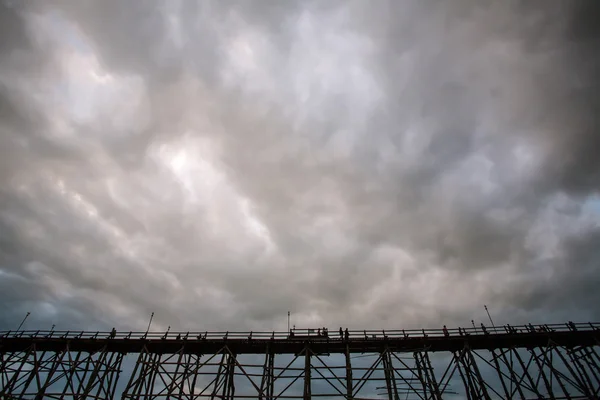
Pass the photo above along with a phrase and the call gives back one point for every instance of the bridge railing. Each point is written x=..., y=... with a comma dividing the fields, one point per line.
x=302, y=334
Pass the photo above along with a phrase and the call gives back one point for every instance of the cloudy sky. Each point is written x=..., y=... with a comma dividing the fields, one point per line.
x=383, y=164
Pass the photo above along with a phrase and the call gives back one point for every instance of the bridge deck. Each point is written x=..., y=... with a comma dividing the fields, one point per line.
x=434, y=340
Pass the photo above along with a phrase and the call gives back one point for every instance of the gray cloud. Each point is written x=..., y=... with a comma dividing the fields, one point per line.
x=221, y=163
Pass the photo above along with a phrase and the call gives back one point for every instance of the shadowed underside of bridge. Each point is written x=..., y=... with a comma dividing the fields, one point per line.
x=523, y=362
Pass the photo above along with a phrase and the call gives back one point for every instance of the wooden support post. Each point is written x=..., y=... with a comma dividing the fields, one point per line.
x=307, y=371
x=349, y=385
x=430, y=374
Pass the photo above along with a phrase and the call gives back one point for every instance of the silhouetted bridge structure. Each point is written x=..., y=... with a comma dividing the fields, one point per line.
x=523, y=362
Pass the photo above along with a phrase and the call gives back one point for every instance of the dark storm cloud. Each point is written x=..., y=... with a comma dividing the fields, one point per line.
x=398, y=164
x=571, y=284
x=14, y=33
x=574, y=160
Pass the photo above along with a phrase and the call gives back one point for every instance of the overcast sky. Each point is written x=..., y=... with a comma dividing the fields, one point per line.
x=370, y=164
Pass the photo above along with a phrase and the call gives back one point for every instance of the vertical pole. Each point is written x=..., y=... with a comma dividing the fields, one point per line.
x=420, y=373
x=513, y=375
x=594, y=357
x=22, y=322
x=490, y=317
x=54, y=366
x=173, y=384
x=468, y=373
x=271, y=386
x=548, y=361
x=271, y=383
x=233, y=362
x=349, y=388
x=195, y=375
x=265, y=377
x=581, y=384
x=462, y=376
x=111, y=376
x=129, y=391
x=105, y=379
x=177, y=375
x=228, y=383
x=582, y=372
x=480, y=380
x=266, y=384
x=149, y=323
x=40, y=364
x=589, y=360
x=114, y=376
x=96, y=372
x=534, y=386
x=307, y=382
x=153, y=371
x=429, y=371
x=9, y=388
x=542, y=372
x=185, y=375
x=218, y=378
x=500, y=375
x=148, y=383
x=387, y=369
x=3, y=370
x=392, y=374
x=69, y=375
x=86, y=369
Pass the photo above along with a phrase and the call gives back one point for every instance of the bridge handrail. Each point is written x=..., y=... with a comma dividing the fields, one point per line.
x=303, y=334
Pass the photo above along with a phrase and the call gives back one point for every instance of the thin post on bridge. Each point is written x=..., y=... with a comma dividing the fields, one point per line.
x=24, y=319
x=490, y=317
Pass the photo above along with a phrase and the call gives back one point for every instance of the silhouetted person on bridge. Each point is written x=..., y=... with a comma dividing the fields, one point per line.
x=113, y=333
x=445, y=330
x=347, y=334
x=341, y=333
x=572, y=326
x=485, y=332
